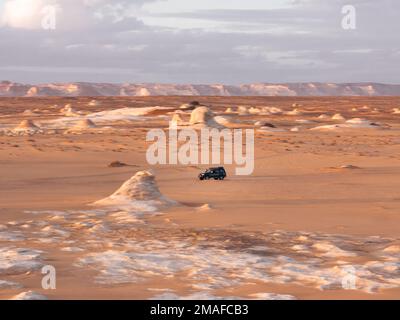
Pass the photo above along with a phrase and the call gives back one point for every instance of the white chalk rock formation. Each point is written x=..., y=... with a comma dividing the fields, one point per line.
x=361, y=123
x=270, y=129
x=29, y=295
x=26, y=127
x=338, y=117
x=177, y=122
x=295, y=112
x=304, y=121
x=243, y=111
x=85, y=124
x=330, y=127
x=185, y=106
x=271, y=111
x=94, y=103
x=28, y=112
x=126, y=114
x=138, y=193
x=14, y=261
x=254, y=110
x=224, y=121
x=203, y=117
x=68, y=111
x=205, y=207
x=189, y=106
x=264, y=124
x=355, y=123
x=81, y=126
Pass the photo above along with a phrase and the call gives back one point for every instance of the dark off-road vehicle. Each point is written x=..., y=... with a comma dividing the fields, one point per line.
x=213, y=173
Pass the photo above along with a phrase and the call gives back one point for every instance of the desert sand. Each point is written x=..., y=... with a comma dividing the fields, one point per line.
x=324, y=196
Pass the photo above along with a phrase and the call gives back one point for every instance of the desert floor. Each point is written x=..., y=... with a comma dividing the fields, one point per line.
x=318, y=202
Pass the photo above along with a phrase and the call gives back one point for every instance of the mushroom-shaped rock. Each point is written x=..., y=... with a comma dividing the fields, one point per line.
x=338, y=117
x=27, y=125
x=94, y=103
x=138, y=193
x=203, y=117
x=68, y=111
x=176, y=121
x=85, y=124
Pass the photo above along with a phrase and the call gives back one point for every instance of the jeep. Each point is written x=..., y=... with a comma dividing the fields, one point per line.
x=213, y=173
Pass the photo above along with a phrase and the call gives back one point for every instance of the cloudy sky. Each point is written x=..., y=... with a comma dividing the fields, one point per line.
x=192, y=41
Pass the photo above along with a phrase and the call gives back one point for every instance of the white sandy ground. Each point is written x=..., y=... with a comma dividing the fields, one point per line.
x=74, y=121
x=9, y=285
x=116, y=242
x=106, y=117
x=29, y=295
x=124, y=114
x=124, y=241
x=355, y=123
x=313, y=260
x=18, y=260
x=207, y=296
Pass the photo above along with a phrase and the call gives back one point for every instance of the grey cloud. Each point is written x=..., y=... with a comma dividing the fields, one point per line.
x=127, y=50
